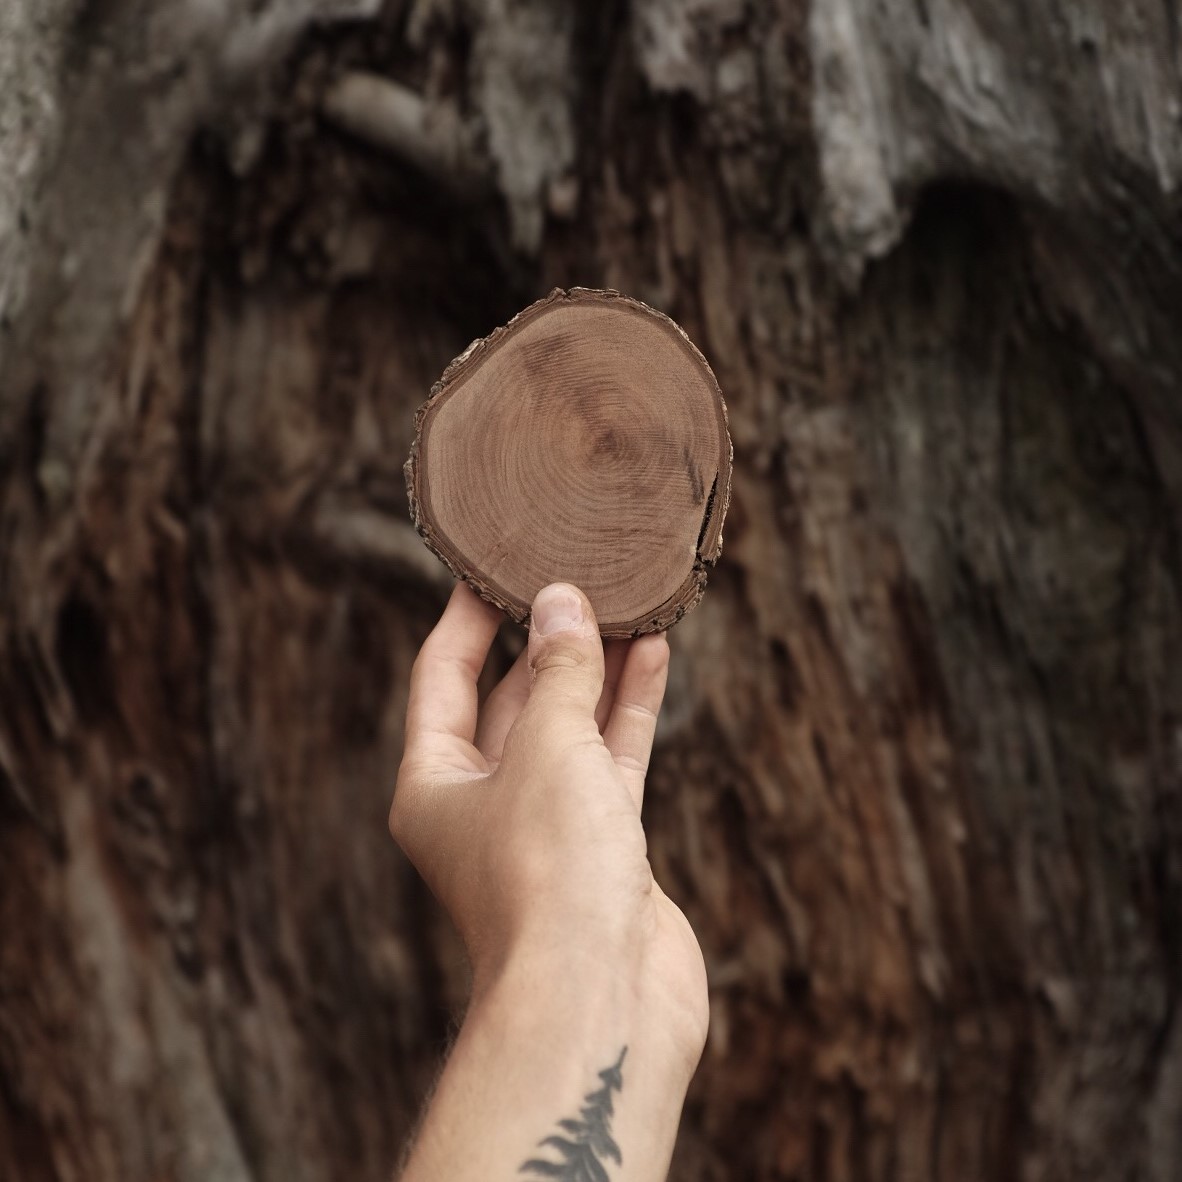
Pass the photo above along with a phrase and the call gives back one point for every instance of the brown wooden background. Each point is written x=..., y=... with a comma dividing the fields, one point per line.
x=918, y=781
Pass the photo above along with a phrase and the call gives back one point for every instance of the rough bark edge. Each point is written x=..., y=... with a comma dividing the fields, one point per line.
x=709, y=546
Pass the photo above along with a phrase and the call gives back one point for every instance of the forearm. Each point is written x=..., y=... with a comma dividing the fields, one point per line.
x=530, y=1055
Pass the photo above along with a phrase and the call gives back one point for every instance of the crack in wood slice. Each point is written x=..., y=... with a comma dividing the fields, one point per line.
x=584, y=442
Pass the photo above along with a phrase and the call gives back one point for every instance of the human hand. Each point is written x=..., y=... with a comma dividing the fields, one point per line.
x=524, y=816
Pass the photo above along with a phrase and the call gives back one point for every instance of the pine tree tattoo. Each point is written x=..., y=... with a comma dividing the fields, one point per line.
x=590, y=1137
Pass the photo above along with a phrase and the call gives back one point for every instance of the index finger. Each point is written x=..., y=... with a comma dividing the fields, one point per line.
x=442, y=707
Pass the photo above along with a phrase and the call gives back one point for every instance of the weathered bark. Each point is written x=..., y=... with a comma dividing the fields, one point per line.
x=918, y=783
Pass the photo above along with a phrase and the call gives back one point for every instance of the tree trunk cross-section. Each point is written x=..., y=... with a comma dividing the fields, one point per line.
x=584, y=442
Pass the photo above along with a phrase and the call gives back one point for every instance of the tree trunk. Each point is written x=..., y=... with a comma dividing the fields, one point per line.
x=918, y=780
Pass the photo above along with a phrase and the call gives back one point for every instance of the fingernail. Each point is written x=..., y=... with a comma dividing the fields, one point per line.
x=557, y=609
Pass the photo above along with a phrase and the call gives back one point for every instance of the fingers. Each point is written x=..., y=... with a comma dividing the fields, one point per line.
x=503, y=705
x=501, y=709
x=633, y=720
x=441, y=711
x=565, y=652
x=614, y=653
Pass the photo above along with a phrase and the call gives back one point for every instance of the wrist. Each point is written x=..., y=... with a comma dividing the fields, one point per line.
x=580, y=995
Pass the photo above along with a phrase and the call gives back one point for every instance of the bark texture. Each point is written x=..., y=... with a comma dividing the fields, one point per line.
x=918, y=784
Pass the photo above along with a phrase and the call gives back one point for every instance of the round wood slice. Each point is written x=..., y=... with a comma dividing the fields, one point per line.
x=585, y=442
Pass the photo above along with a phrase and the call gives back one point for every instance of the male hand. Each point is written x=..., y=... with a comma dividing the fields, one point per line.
x=524, y=816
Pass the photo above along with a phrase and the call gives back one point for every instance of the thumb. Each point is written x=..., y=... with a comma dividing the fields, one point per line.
x=565, y=650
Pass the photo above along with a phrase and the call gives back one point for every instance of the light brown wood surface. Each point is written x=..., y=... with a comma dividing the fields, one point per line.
x=585, y=442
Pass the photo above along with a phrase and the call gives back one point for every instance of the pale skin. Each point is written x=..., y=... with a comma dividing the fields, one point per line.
x=524, y=818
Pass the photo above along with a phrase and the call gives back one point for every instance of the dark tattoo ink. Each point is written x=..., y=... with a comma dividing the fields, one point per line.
x=588, y=1139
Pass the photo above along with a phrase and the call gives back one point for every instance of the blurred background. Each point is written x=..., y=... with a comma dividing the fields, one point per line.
x=919, y=781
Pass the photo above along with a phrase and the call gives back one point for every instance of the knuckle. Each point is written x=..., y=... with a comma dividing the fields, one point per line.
x=561, y=656
x=632, y=763
x=642, y=712
x=653, y=658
